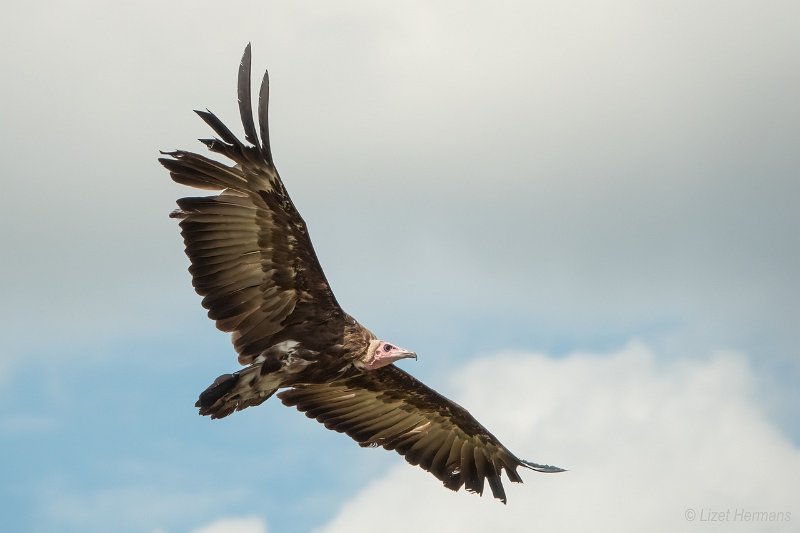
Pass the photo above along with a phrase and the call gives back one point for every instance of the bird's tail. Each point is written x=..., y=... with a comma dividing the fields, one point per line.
x=237, y=391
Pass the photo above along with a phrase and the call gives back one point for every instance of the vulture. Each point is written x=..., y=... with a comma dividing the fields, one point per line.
x=253, y=263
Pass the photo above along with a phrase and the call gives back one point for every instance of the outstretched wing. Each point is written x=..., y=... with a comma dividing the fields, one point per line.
x=251, y=256
x=387, y=407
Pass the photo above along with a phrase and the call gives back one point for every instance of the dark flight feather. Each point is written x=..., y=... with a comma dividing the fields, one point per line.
x=245, y=109
x=389, y=408
x=253, y=263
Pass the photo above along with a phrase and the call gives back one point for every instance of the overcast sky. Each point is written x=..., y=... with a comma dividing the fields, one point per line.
x=593, y=203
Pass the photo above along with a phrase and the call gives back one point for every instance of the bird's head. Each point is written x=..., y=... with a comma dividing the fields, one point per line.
x=381, y=353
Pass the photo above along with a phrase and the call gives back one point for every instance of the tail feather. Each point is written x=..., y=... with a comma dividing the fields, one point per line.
x=221, y=386
x=237, y=391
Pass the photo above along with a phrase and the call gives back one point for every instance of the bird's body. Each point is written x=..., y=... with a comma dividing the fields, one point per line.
x=253, y=262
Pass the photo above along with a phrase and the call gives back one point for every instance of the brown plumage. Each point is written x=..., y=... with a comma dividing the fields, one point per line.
x=253, y=263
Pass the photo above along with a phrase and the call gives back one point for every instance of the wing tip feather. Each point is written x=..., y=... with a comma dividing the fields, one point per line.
x=244, y=97
x=263, y=118
x=545, y=469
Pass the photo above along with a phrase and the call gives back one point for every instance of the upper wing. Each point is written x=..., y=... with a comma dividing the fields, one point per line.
x=387, y=407
x=251, y=256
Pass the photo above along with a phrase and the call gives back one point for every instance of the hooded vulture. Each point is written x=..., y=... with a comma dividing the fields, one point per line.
x=253, y=263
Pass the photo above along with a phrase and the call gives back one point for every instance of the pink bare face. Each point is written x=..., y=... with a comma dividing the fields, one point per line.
x=384, y=354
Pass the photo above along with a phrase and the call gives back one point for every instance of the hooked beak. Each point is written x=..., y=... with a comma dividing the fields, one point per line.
x=400, y=353
x=409, y=355
x=386, y=358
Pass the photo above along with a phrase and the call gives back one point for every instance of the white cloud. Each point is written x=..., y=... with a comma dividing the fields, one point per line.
x=623, y=165
x=251, y=524
x=644, y=440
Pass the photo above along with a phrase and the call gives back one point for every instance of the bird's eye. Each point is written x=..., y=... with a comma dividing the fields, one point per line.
x=387, y=347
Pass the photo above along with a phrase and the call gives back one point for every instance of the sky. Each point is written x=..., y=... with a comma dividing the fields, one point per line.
x=582, y=216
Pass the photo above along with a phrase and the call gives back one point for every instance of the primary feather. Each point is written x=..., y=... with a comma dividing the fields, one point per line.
x=253, y=263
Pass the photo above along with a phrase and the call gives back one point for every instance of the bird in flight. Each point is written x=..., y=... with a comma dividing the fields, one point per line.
x=253, y=263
